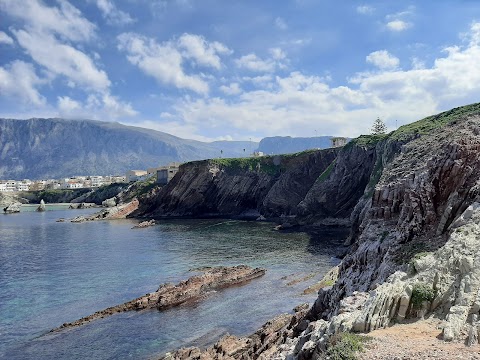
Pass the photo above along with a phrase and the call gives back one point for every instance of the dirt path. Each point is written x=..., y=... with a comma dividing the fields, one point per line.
x=416, y=341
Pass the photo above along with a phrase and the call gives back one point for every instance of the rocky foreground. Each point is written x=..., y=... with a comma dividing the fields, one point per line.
x=169, y=295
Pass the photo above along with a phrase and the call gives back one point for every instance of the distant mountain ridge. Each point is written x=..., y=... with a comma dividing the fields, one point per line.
x=286, y=144
x=53, y=148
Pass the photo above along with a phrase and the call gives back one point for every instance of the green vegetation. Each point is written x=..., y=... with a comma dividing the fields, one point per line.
x=366, y=140
x=54, y=196
x=142, y=187
x=346, y=346
x=324, y=176
x=378, y=127
x=430, y=123
x=384, y=236
x=263, y=164
x=421, y=292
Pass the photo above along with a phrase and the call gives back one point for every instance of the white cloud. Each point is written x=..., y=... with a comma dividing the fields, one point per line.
x=5, y=39
x=99, y=107
x=203, y=52
x=297, y=104
x=400, y=21
x=19, y=80
x=281, y=24
x=62, y=59
x=365, y=9
x=66, y=105
x=66, y=20
x=254, y=63
x=232, y=89
x=277, y=53
x=398, y=25
x=164, y=61
x=383, y=59
x=113, y=15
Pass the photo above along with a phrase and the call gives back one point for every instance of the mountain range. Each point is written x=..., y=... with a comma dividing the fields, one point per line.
x=41, y=148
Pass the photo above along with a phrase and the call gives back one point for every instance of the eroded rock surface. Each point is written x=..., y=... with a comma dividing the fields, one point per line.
x=169, y=295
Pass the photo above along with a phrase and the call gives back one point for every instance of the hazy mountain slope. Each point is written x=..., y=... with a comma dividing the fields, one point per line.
x=51, y=148
x=235, y=148
x=286, y=144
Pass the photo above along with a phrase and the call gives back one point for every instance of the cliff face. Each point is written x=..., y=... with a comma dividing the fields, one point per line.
x=272, y=186
x=414, y=215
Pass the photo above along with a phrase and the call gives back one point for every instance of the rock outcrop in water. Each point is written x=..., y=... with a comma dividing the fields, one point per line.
x=169, y=295
x=411, y=199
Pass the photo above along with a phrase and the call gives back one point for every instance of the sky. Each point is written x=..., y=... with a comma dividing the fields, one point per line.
x=240, y=69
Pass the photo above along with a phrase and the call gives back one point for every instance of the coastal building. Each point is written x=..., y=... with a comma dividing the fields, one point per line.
x=136, y=175
x=11, y=185
x=339, y=141
x=3, y=187
x=166, y=173
x=96, y=181
x=258, y=154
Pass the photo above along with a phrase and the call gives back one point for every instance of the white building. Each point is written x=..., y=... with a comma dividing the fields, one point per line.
x=11, y=185
x=96, y=181
x=136, y=175
x=3, y=187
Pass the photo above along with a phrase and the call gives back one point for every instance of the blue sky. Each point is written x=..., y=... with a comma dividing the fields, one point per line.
x=216, y=69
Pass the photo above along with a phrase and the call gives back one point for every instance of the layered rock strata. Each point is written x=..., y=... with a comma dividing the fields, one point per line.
x=270, y=186
x=169, y=295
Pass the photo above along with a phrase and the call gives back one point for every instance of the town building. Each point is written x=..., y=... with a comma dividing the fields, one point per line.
x=136, y=175
x=339, y=141
x=166, y=173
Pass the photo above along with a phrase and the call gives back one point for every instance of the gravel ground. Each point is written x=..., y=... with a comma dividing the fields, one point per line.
x=419, y=340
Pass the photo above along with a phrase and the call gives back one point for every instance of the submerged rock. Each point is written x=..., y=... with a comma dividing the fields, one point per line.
x=169, y=295
x=144, y=224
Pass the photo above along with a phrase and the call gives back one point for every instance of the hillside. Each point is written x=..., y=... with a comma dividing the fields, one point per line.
x=53, y=148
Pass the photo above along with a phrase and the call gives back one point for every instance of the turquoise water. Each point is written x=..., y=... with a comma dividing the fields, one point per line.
x=52, y=273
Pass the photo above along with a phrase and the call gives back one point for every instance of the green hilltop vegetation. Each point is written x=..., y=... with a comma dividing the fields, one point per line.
x=420, y=127
x=269, y=164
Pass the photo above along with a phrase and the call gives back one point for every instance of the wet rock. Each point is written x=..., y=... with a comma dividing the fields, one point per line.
x=41, y=207
x=12, y=208
x=169, y=295
x=144, y=224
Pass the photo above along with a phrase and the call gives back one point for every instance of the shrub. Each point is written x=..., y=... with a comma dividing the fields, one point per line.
x=345, y=346
x=421, y=292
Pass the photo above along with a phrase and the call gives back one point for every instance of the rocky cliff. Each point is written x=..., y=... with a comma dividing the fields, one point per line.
x=272, y=186
x=412, y=199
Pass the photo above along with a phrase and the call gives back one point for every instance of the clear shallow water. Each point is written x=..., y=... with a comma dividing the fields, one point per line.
x=52, y=273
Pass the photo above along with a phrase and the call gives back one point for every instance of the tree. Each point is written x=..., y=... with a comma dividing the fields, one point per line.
x=379, y=127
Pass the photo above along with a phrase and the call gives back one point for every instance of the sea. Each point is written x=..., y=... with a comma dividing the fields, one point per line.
x=56, y=272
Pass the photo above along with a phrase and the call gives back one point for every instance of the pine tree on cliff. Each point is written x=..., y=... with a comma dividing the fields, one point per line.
x=379, y=127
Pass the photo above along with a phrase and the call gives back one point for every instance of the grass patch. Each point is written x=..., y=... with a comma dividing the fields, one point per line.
x=366, y=140
x=346, y=346
x=323, y=176
x=430, y=123
x=263, y=164
x=420, y=293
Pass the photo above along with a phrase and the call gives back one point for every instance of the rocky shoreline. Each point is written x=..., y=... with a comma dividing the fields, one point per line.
x=411, y=200
x=169, y=295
